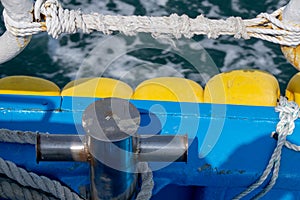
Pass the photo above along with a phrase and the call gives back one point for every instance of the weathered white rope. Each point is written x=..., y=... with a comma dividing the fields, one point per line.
x=288, y=113
x=12, y=191
x=291, y=146
x=147, y=181
x=35, y=181
x=58, y=20
x=21, y=137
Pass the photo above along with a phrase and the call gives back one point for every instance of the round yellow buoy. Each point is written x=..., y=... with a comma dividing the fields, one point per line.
x=243, y=87
x=26, y=85
x=292, y=91
x=169, y=89
x=97, y=87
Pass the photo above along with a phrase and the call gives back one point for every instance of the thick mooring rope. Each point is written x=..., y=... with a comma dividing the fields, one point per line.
x=29, y=179
x=12, y=191
x=288, y=113
x=21, y=137
x=58, y=20
x=147, y=181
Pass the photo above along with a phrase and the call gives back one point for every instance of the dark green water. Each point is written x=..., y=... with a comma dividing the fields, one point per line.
x=69, y=57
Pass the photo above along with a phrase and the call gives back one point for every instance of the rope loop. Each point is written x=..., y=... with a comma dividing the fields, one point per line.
x=21, y=29
x=59, y=20
x=288, y=113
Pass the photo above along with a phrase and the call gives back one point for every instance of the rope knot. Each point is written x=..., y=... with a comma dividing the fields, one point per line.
x=59, y=20
x=211, y=30
x=239, y=27
x=181, y=26
x=289, y=112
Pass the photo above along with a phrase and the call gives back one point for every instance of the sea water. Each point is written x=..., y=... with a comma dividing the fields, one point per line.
x=134, y=59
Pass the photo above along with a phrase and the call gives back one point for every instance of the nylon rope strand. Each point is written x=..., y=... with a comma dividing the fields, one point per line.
x=57, y=20
x=288, y=113
x=29, y=179
x=21, y=137
x=13, y=191
x=147, y=181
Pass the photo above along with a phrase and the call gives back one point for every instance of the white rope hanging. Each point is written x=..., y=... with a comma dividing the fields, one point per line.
x=58, y=20
x=288, y=113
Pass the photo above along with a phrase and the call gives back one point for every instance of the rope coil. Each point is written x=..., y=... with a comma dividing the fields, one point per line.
x=58, y=20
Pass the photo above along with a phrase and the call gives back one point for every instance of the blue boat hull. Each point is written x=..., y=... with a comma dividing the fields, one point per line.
x=229, y=145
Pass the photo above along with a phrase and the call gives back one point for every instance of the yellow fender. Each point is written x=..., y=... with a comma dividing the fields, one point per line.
x=26, y=85
x=243, y=87
x=169, y=89
x=98, y=88
x=292, y=91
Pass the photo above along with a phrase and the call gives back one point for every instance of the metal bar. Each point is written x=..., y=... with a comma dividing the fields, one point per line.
x=112, y=147
x=110, y=125
x=162, y=148
x=50, y=147
x=112, y=169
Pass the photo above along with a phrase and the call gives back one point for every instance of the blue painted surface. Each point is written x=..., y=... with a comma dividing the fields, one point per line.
x=31, y=102
x=229, y=146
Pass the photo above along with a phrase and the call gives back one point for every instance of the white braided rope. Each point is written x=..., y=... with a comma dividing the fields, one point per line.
x=11, y=190
x=21, y=137
x=58, y=20
x=291, y=146
x=147, y=181
x=288, y=113
x=32, y=180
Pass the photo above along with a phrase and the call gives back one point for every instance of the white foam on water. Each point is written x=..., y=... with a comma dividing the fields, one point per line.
x=235, y=4
x=155, y=7
x=214, y=10
x=244, y=56
x=110, y=58
x=275, y=5
x=161, y=2
x=90, y=6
